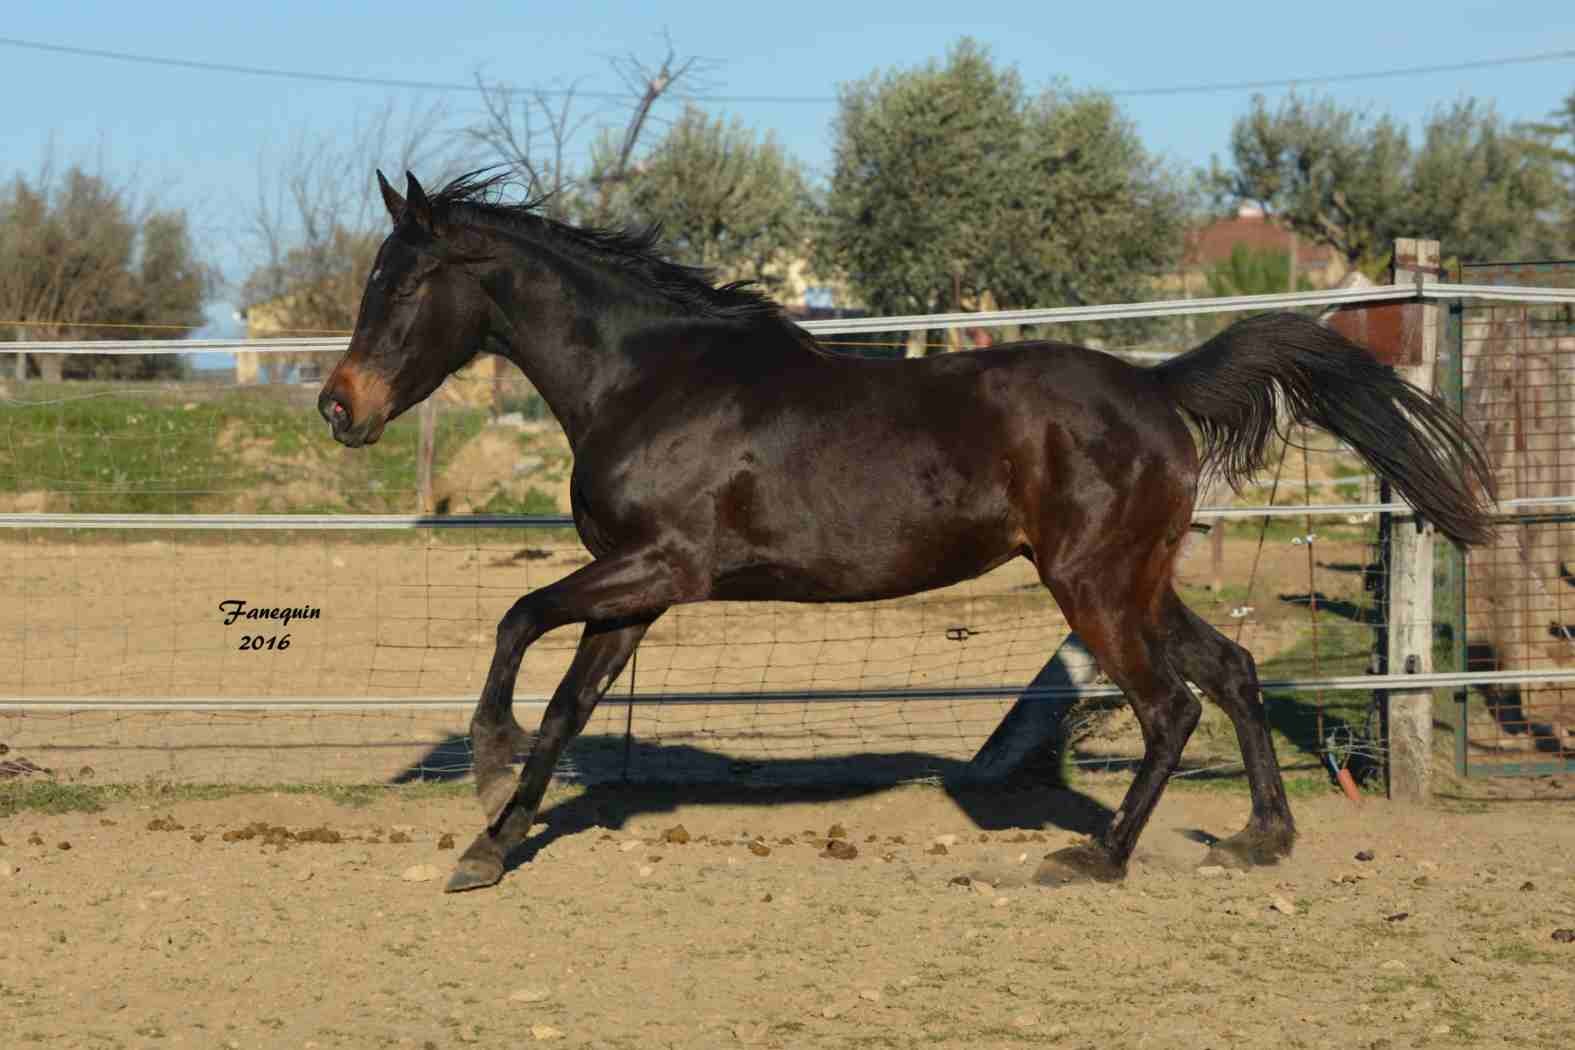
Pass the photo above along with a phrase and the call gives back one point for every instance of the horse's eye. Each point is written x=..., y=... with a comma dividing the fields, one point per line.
x=377, y=273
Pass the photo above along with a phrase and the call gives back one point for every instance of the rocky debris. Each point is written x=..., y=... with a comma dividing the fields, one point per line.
x=420, y=873
x=533, y=993
x=750, y=1034
x=279, y=836
x=840, y=849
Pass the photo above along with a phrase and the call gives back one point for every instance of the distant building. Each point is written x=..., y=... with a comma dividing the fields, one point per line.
x=265, y=320
x=1211, y=245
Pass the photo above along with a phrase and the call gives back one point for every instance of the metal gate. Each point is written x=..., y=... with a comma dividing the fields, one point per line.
x=1512, y=367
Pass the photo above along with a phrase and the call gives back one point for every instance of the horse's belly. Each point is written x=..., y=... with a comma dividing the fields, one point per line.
x=886, y=567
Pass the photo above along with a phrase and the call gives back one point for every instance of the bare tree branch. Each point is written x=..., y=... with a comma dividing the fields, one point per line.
x=317, y=224
x=533, y=132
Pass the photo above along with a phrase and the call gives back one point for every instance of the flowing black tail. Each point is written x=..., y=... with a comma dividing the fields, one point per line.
x=1232, y=385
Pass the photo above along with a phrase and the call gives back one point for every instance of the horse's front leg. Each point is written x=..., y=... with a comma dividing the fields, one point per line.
x=496, y=737
x=511, y=806
x=618, y=599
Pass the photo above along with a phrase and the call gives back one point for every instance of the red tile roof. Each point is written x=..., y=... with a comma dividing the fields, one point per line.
x=1213, y=243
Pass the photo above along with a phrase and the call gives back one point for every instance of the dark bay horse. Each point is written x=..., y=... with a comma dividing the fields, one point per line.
x=720, y=453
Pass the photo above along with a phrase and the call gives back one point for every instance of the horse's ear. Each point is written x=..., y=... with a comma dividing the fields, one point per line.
x=391, y=199
x=417, y=208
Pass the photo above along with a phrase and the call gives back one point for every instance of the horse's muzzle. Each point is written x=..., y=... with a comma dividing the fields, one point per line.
x=346, y=430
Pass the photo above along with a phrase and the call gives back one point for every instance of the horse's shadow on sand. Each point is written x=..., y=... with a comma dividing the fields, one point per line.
x=659, y=778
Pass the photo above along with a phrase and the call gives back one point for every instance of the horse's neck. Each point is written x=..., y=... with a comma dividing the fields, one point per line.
x=571, y=349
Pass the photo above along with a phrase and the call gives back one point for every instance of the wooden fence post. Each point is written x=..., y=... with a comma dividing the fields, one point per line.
x=424, y=454
x=1410, y=583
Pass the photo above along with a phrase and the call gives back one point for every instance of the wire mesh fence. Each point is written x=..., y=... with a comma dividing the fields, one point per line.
x=406, y=618
x=1517, y=364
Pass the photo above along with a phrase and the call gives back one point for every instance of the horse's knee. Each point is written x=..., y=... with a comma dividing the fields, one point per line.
x=1183, y=719
x=1189, y=711
x=517, y=625
x=1241, y=670
x=1168, y=725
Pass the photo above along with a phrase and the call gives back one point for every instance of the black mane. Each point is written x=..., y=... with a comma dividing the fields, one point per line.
x=473, y=198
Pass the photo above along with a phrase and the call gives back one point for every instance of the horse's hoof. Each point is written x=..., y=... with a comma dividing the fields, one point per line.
x=1251, y=848
x=474, y=873
x=1077, y=864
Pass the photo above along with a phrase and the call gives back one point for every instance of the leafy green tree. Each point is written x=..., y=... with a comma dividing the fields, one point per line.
x=1555, y=138
x=82, y=260
x=951, y=181
x=725, y=199
x=1356, y=184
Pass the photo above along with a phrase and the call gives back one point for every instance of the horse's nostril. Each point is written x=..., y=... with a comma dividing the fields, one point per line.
x=335, y=413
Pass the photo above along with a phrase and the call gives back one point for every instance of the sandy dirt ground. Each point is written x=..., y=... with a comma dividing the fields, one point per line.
x=182, y=923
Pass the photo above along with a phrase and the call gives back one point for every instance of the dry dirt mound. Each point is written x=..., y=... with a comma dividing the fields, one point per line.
x=500, y=462
x=34, y=501
x=302, y=479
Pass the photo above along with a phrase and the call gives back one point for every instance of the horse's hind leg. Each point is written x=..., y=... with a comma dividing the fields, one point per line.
x=602, y=653
x=1115, y=618
x=1226, y=672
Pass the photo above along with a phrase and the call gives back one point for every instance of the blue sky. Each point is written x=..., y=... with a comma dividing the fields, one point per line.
x=199, y=136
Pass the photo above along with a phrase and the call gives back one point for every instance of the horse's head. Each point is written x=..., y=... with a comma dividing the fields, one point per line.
x=423, y=316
